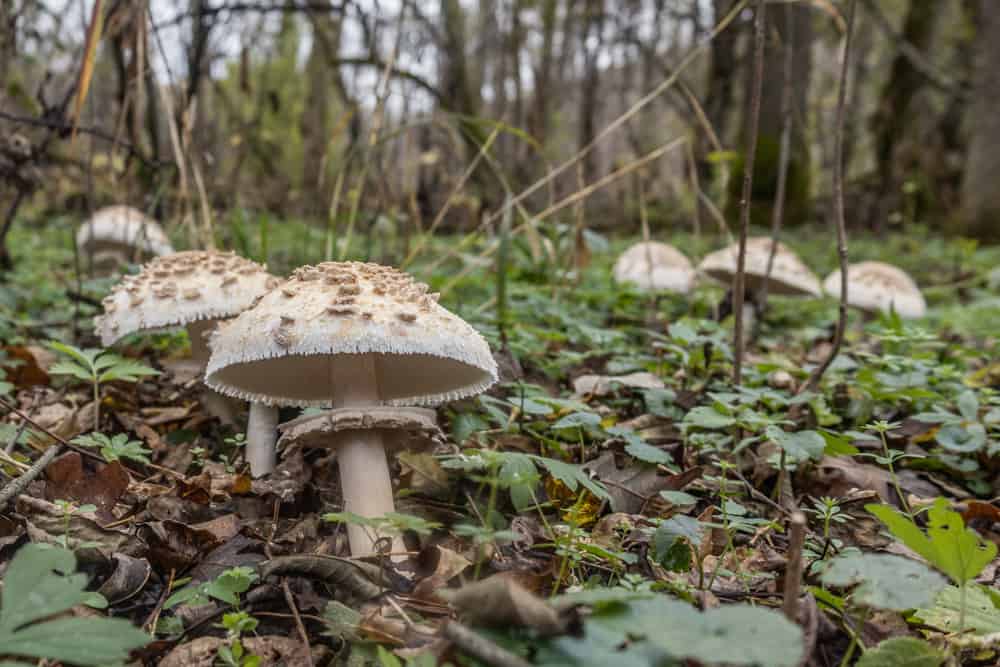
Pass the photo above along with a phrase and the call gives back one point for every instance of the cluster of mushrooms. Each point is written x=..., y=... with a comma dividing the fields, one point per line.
x=871, y=286
x=365, y=341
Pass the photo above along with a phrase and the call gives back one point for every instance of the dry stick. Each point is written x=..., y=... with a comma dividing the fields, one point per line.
x=480, y=647
x=838, y=204
x=19, y=484
x=784, y=151
x=299, y=626
x=793, y=568
x=633, y=110
x=739, y=280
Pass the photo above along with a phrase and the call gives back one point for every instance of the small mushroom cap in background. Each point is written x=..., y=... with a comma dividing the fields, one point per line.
x=404, y=428
x=789, y=274
x=124, y=230
x=655, y=266
x=287, y=349
x=179, y=289
x=877, y=286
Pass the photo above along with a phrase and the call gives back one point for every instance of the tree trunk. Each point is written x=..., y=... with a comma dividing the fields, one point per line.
x=894, y=120
x=980, y=195
x=788, y=26
x=721, y=76
x=591, y=38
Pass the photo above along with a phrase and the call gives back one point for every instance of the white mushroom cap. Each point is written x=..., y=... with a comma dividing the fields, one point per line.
x=288, y=349
x=122, y=229
x=179, y=289
x=406, y=428
x=789, y=275
x=655, y=266
x=874, y=286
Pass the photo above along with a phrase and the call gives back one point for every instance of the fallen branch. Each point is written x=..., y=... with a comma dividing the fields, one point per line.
x=793, y=568
x=480, y=647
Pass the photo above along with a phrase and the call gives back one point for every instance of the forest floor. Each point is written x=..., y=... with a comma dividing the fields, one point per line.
x=566, y=518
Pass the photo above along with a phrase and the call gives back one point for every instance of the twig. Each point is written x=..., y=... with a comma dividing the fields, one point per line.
x=739, y=280
x=154, y=616
x=480, y=647
x=838, y=204
x=19, y=484
x=793, y=569
x=303, y=635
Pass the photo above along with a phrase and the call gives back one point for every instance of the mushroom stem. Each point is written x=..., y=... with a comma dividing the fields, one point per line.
x=364, y=470
x=217, y=405
x=262, y=432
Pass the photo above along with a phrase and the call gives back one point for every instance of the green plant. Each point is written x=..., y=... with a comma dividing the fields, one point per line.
x=947, y=545
x=890, y=457
x=96, y=367
x=40, y=583
x=827, y=510
x=234, y=654
x=225, y=588
x=69, y=509
x=116, y=447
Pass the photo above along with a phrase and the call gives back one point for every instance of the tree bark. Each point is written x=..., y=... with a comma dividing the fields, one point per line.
x=894, y=120
x=980, y=195
x=591, y=38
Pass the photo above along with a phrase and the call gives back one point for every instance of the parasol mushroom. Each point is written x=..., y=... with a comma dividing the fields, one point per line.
x=351, y=335
x=651, y=265
x=877, y=286
x=196, y=290
x=115, y=235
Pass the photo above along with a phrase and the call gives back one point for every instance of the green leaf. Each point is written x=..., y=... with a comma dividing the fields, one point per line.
x=127, y=370
x=968, y=405
x=71, y=368
x=578, y=420
x=39, y=583
x=964, y=438
x=734, y=634
x=982, y=616
x=948, y=545
x=647, y=453
x=708, y=417
x=801, y=445
x=885, y=581
x=673, y=540
x=573, y=476
x=902, y=652
x=80, y=641
x=518, y=473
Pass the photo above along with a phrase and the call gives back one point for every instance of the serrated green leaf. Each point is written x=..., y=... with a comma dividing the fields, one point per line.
x=885, y=581
x=801, y=445
x=647, y=453
x=962, y=438
x=519, y=475
x=982, y=616
x=38, y=583
x=80, y=641
x=948, y=545
x=578, y=420
x=902, y=652
x=573, y=476
x=71, y=368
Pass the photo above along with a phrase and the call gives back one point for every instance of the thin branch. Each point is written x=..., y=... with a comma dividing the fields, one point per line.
x=62, y=127
x=17, y=485
x=838, y=205
x=750, y=155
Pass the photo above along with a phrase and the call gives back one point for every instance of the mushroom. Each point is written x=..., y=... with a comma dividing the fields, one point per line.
x=789, y=275
x=117, y=234
x=655, y=266
x=358, y=336
x=197, y=290
x=877, y=286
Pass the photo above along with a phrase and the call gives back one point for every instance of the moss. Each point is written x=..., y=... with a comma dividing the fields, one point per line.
x=765, y=184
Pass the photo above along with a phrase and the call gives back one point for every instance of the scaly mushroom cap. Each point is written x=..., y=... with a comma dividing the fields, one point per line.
x=286, y=349
x=789, y=275
x=403, y=428
x=179, y=289
x=874, y=286
x=122, y=229
x=655, y=266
